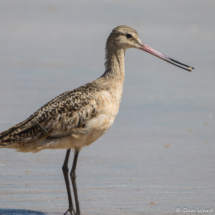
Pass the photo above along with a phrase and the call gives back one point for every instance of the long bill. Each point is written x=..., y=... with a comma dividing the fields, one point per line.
x=164, y=57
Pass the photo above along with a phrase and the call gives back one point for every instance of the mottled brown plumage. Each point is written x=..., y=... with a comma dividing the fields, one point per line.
x=64, y=112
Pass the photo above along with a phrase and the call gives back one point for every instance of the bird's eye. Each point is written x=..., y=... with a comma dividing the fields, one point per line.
x=129, y=36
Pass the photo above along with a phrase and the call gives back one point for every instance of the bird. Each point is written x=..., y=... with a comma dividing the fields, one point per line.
x=77, y=118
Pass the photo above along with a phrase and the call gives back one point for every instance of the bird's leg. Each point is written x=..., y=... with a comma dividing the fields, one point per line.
x=66, y=178
x=73, y=178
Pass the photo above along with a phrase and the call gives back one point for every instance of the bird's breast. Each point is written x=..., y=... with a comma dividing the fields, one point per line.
x=107, y=110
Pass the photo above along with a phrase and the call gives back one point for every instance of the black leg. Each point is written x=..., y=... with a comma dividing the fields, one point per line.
x=73, y=178
x=65, y=173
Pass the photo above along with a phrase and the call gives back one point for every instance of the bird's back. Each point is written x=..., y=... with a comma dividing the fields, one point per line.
x=72, y=120
x=43, y=122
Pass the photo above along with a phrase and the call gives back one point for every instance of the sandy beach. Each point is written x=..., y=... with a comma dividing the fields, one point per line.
x=158, y=157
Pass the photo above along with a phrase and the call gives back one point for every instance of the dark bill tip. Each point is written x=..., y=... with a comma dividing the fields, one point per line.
x=190, y=68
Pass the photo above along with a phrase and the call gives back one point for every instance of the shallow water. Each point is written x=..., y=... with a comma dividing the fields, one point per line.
x=159, y=154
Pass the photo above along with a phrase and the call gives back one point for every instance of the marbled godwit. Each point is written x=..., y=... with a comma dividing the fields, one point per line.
x=79, y=117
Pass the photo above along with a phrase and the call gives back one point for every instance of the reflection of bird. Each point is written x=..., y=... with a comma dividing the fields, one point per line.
x=79, y=117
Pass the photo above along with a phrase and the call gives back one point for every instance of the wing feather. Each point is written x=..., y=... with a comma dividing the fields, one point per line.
x=56, y=118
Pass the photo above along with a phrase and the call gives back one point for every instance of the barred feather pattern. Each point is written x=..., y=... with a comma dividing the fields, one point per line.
x=64, y=111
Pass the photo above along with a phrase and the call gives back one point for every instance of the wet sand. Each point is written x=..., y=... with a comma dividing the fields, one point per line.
x=160, y=153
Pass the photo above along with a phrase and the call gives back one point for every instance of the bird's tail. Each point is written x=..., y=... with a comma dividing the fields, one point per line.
x=5, y=139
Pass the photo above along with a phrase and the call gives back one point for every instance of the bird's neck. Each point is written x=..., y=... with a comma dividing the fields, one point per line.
x=114, y=65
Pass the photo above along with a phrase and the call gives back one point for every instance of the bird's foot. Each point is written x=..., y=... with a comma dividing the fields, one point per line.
x=71, y=211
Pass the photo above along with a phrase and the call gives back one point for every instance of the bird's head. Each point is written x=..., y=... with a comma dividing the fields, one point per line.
x=124, y=37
